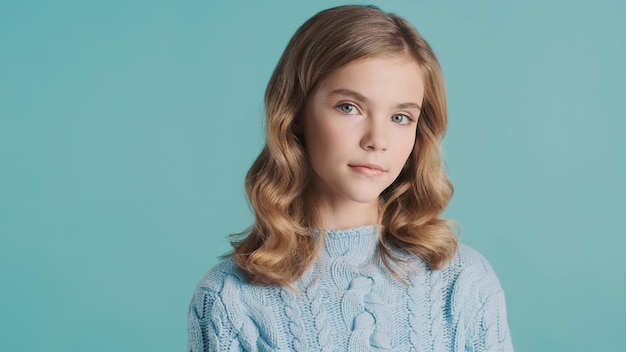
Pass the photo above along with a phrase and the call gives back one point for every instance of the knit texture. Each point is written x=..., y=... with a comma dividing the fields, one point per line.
x=348, y=301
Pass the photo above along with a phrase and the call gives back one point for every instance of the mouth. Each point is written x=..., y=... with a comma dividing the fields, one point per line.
x=368, y=169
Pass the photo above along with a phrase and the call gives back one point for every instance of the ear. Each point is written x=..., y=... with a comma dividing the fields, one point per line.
x=297, y=125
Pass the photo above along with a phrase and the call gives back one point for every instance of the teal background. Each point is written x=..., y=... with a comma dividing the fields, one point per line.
x=126, y=129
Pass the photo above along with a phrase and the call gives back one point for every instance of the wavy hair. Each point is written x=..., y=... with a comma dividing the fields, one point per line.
x=279, y=246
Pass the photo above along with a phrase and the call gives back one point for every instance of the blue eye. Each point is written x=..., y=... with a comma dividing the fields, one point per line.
x=347, y=108
x=401, y=119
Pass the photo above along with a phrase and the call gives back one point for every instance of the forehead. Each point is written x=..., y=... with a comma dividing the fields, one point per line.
x=391, y=78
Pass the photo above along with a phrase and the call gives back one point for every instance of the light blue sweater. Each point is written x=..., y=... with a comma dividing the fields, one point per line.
x=349, y=302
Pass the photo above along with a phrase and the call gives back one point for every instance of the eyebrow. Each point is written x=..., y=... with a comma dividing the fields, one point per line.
x=362, y=99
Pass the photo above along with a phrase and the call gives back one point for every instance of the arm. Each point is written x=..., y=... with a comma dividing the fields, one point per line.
x=479, y=302
x=209, y=328
x=492, y=329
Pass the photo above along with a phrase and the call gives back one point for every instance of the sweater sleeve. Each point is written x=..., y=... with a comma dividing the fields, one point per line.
x=479, y=303
x=209, y=328
x=492, y=330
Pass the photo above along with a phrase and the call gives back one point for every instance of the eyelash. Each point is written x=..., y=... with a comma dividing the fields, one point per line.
x=409, y=120
x=342, y=105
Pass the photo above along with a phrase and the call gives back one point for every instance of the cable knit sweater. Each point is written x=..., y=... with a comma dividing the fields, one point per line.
x=348, y=301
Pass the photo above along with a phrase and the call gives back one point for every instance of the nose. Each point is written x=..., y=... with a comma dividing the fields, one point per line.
x=375, y=136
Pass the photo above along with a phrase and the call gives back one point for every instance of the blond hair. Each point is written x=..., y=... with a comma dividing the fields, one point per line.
x=279, y=246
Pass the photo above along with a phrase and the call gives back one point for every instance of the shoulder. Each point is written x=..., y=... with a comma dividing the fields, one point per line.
x=467, y=256
x=223, y=298
x=472, y=279
x=477, y=302
x=473, y=270
x=215, y=278
x=469, y=262
x=228, y=285
x=225, y=286
x=217, y=290
x=224, y=311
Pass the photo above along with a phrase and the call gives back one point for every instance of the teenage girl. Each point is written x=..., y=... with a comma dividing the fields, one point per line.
x=348, y=251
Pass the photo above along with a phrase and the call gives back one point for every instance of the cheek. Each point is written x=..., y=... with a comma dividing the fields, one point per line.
x=324, y=140
x=406, y=146
x=334, y=138
x=410, y=144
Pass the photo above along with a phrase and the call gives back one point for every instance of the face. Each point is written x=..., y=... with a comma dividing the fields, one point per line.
x=359, y=127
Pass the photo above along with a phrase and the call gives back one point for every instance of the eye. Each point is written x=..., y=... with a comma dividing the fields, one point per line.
x=347, y=108
x=401, y=119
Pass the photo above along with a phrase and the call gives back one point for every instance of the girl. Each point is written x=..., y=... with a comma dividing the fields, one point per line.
x=348, y=251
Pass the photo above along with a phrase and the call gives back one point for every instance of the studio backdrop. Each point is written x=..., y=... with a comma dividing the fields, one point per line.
x=127, y=127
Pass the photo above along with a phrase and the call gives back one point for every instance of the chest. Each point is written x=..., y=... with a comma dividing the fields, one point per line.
x=362, y=310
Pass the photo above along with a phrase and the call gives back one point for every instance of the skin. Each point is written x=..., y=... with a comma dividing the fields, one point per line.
x=359, y=126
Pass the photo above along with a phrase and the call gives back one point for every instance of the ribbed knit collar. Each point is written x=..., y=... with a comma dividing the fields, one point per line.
x=357, y=242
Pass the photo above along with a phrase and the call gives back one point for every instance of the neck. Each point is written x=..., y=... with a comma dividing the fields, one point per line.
x=343, y=216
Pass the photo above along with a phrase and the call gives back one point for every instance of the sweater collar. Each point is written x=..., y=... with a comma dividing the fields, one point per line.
x=357, y=242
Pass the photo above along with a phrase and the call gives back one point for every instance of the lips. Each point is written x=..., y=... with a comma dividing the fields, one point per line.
x=368, y=169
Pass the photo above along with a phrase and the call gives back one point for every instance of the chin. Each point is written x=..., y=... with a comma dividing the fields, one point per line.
x=365, y=198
